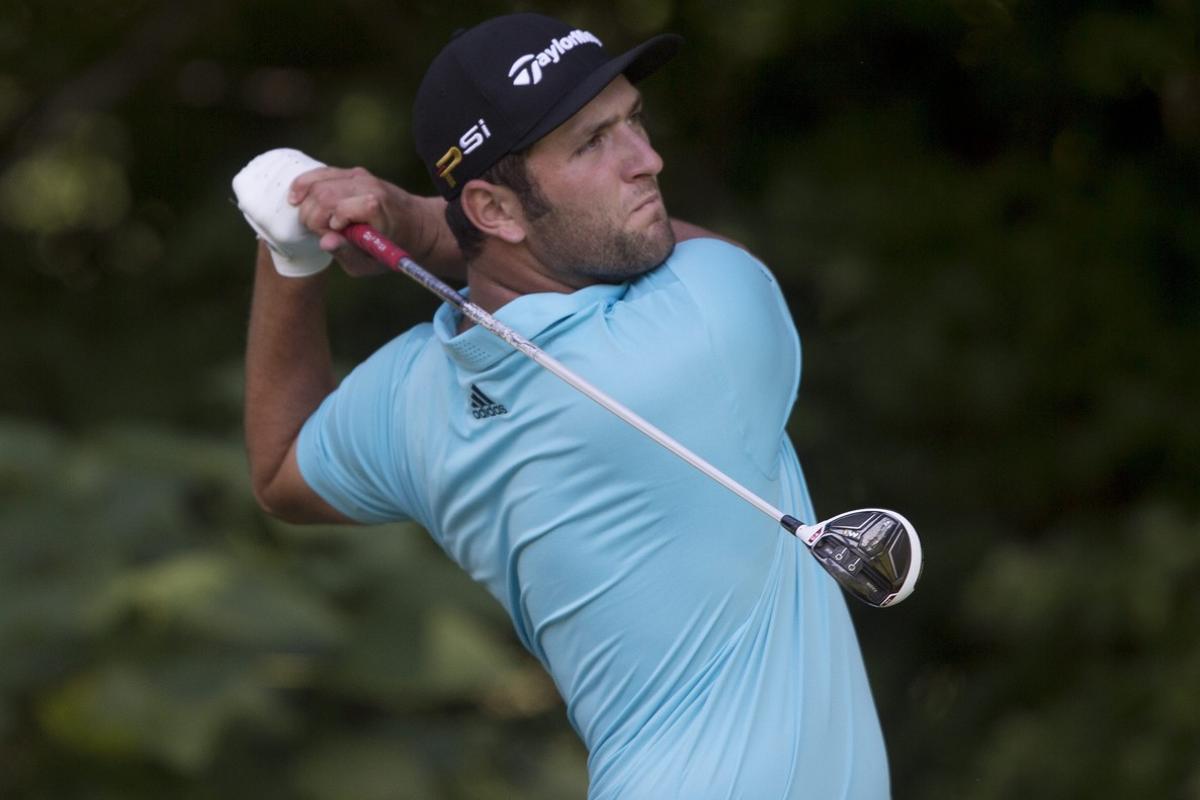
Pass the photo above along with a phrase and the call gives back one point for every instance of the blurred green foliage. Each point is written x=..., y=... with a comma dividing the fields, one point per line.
x=984, y=214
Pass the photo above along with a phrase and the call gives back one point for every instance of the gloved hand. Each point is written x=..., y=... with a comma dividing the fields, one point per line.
x=261, y=189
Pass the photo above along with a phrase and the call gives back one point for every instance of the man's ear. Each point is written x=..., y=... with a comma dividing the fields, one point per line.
x=494, y=210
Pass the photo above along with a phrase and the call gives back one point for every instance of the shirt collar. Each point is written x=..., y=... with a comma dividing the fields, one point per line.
x=529, y=315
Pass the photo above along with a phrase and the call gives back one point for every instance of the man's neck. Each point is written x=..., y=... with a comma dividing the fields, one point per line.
x=495, y=282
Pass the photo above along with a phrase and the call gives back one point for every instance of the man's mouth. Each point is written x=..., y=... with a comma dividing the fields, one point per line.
x=650, y=200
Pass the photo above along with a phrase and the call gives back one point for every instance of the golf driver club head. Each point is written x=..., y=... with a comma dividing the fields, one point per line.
x=873, y=553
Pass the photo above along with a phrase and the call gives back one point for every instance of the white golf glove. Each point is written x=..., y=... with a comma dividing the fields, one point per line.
x=262, y=189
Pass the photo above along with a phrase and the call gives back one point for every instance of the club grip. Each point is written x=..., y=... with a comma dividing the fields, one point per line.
x=376, y=245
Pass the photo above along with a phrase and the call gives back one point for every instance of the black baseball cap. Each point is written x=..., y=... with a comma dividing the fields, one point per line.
x=499, y=87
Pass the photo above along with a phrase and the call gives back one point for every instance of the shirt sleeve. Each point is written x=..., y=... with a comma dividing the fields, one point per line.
x=350, y=450
x=751, y=334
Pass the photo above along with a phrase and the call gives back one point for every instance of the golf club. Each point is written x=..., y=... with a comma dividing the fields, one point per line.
x=874, y=554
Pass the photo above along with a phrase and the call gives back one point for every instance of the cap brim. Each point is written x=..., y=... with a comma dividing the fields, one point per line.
x=635, y=64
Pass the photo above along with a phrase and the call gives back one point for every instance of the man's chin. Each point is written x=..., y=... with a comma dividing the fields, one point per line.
x=615, y=257
x=638, y=256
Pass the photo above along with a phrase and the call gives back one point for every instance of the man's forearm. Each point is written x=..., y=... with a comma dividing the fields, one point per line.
x=289, y=369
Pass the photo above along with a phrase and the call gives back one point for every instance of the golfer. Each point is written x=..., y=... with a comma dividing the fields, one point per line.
x=700, y=652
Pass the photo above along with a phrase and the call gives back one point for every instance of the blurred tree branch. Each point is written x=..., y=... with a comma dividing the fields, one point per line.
x=112, y=79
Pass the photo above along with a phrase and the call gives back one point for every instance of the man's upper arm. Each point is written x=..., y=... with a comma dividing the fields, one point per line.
x=351, y=452
x=290, y=498
x=753, y=338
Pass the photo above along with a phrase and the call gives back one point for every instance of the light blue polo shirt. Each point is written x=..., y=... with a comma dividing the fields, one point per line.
x=701, y=651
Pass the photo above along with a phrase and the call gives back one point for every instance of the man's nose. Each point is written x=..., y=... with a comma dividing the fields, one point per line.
x=641, y=159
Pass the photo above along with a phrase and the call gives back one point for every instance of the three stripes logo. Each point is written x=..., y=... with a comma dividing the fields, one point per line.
x=483, y=406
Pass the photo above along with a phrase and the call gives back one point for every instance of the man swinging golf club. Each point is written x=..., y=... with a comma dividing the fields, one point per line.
x=700, y=653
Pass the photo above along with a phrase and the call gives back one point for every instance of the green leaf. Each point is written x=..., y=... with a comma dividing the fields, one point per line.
x=363, y=767
x=220, y=597
x=173, y=710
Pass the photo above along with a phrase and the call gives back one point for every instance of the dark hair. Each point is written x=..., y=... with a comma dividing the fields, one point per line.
x=512, y=172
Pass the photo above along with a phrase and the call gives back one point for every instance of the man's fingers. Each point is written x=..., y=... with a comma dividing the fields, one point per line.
x=305, y=181
x=355, y=262
x=362, y=208
x=333, y=243
x=331, y=205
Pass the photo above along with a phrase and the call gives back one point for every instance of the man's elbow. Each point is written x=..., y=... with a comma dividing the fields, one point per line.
x=298, y=505
x=274, y=502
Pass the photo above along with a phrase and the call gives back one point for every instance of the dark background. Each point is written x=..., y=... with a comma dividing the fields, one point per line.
x=983, y=213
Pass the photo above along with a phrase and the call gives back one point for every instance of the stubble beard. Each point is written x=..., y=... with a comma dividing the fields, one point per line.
x=584, y=246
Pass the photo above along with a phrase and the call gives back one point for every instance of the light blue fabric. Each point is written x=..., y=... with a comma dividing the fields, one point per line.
x=701, y=651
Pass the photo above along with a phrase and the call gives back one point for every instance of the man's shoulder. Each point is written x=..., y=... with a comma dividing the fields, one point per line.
x=717, y=272
x=397, y=356
x=410, y=341
x=714, y=261
x=709, y=250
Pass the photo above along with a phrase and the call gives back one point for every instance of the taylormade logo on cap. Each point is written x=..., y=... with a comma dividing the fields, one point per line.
x=528, y=68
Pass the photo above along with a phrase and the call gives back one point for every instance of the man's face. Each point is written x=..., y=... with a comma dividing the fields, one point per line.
x=598, y=175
